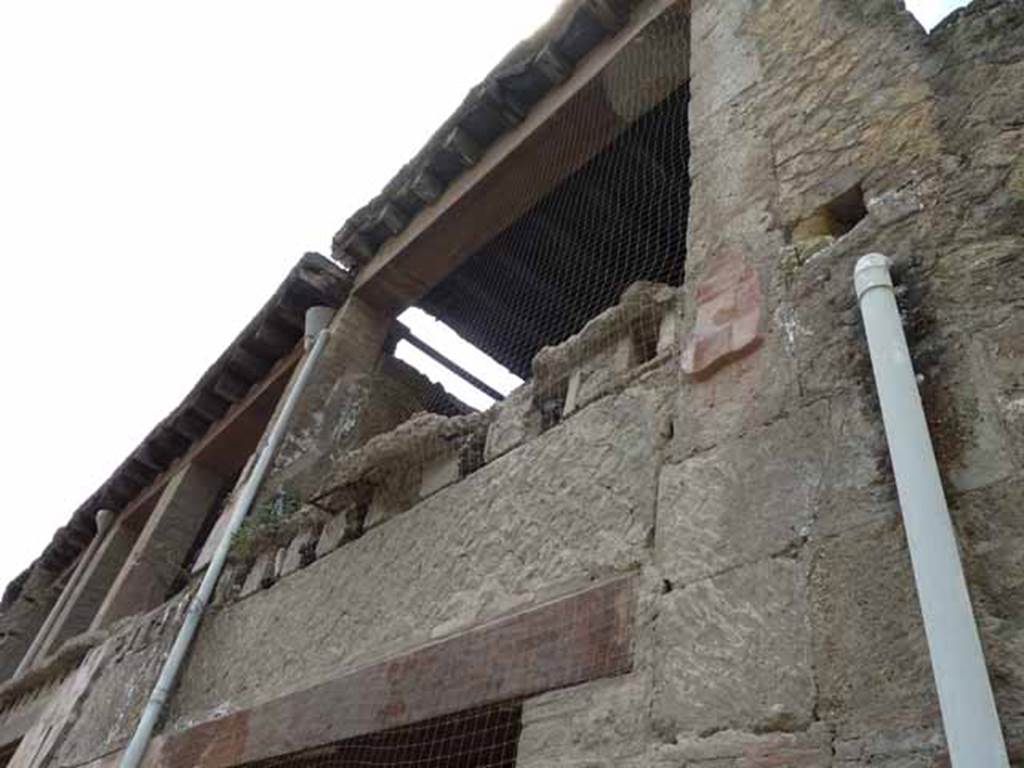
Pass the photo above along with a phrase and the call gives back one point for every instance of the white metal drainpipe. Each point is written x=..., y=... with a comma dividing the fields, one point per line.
x=104, y=518
x=969, y=714
x=317, y=320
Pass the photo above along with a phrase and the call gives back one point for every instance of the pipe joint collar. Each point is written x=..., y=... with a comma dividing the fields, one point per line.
x=317, y=319
x=872, y=271
x=104, y=518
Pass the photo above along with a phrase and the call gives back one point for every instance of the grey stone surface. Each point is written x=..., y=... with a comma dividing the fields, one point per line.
x=260, y=575
x=24, y=616
x=991, y=533
x=296, y=551
x=603, y=723
x=279, y=558
x=813, y=472
x=599, y=373
x=870, y=656
x=810, y=748
x=515, y=421
x=117, y=692
x=398, y=493
x=339, y=529
x=439, y=472
x=906, y=747
x=572, y=393
x=576, y=502
x=227, y=585
x=734, y=651
x=973, y=402
x=727, y=63
x=668, y=332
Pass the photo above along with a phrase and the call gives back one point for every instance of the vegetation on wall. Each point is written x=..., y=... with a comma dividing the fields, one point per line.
x=273, y=523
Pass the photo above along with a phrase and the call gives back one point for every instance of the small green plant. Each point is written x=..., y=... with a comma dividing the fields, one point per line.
x=266, y=526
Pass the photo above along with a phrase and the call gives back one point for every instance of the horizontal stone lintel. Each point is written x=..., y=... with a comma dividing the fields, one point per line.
x=581, y=637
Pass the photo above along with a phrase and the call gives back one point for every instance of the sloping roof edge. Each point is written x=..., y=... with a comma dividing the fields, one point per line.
x=495, y=106
x=270, y=336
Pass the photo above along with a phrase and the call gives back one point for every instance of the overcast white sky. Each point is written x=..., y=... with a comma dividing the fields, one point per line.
x=162, y=166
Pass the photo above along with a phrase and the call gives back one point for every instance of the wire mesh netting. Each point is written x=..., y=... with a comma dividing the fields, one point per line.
x=576, y=293
x=619, y=218
x=480, y=738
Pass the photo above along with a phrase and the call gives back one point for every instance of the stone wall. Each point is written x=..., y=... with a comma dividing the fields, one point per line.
x=777, y=621
x=364, y=398
x=526, y=525
x=791, y=620
x=532, y=524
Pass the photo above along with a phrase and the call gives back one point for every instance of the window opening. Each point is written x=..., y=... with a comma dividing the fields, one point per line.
x=619, y=219
x=826, y=224
x=443, y=356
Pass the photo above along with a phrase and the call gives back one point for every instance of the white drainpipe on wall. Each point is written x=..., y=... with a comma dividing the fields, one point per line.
x=969, y=714
x=317, y=320
x=104, y=517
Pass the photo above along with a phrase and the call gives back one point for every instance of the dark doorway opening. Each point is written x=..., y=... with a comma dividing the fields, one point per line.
x=487, y=736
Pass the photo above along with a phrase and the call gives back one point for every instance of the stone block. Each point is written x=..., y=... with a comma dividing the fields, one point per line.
x=439, y=472
x=296, y=555
x=892, y=206
x=733, y=193
x=668, y=332
x=909, y=747
x=725, y=61
x=811, y=473
x=738, y=749
x=516, y=420
x=335, y=532
x=227, y=585
x=260, y=575
x=990, y=529
x=605, y=721
x=572, y=393
x=870, y=655
x=279, y=557
x=399, y=492
x=734, y=651
x=599, y=373
x=972, y=399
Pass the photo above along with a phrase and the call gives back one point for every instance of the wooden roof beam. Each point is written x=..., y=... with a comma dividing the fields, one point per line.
x=485, y=199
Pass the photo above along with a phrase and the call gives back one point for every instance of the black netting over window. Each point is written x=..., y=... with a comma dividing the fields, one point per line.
x=480, y=738
x=619, y=219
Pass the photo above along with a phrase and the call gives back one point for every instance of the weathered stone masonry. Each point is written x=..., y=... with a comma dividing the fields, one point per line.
x=719, y=500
